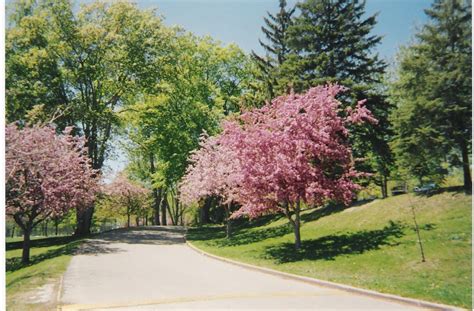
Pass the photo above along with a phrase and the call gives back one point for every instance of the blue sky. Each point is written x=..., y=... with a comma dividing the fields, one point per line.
x=239, y=21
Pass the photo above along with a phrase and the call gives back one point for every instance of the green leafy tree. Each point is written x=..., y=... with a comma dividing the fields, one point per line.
x=33, y=77
x=433, y=94
x=86, y=64
x=371, y=142
x=202, y=83
x=143, y=165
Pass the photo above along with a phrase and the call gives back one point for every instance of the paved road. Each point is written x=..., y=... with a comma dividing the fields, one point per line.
x=153, y=269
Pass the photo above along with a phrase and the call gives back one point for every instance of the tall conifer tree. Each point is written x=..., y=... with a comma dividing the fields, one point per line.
x=331, y=40
x=276, y=33
x=433, y=92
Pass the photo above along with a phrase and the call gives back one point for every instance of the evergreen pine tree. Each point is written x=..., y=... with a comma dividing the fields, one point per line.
x=433, y=92
x=276, y=32
x=331, y=41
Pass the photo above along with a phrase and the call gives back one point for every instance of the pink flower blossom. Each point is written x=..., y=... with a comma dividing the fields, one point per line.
x=46, y=174
x=294, y=149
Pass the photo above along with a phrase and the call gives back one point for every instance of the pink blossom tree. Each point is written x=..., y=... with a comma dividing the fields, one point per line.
x=295, y=150
x=214, y=170
x=127, y=194
x=46, y=176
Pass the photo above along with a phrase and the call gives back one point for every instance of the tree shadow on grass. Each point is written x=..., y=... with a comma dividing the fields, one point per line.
x=241, y=234
x=205, y=233
x=45, y=242
x=254, y=236
x=244, y=223
x=331, y=246
x=322, y=212
x=13, y=264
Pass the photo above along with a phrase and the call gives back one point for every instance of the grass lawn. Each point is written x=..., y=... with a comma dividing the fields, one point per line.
x=49, y=259
x=372, y=245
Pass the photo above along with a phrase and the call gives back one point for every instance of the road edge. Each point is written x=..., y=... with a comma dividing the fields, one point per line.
x=348, y=288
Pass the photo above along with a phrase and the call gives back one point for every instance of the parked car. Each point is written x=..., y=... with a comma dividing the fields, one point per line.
x=426, y=188
x=398, y=190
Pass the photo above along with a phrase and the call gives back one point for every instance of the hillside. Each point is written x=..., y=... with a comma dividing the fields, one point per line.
x=371, y=245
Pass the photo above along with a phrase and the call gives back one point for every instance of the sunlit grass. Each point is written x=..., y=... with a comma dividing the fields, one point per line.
x=372, y=246
x=49, y=260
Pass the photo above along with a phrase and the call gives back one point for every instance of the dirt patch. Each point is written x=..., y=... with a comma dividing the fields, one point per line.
x=44, y=294
x=42, y=298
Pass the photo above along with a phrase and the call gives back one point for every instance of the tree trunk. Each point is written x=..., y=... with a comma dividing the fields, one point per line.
x=204, y=211
x=176, y=212
x=84, y=221
x=46, y=228
x=156, y=206
x=384, y=187
x=168, y=207
x=417, y=229
x=56, y=225
x=13, y=231
x=137, y=221
x=297, y=226
x=128, y=219
x=25, y=256
x=228, y=227
x=466, y=168
x=156, y=195
x=164, y=205
x=295, y=223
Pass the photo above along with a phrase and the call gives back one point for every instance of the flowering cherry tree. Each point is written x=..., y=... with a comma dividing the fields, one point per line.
x=46, y=176
x=293, y=150
x=214, y=170
x=128, y=194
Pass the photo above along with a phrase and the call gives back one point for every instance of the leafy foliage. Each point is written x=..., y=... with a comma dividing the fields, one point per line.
x=432, y=91
x=203, y=84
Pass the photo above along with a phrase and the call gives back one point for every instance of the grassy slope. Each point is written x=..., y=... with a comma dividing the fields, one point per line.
x=371, y=246
x=49, y=259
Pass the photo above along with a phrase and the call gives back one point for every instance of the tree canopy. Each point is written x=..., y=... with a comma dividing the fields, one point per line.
x=432, y=91
x=46, y=176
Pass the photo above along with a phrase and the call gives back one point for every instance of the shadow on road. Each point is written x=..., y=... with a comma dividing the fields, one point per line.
x=96, y=247
x=144, y=235
x=102, y=243
x=331, y=246
x=96, y=244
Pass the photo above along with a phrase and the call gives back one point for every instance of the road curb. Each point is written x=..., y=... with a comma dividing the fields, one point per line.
x=58, y=294
x=365, y=292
